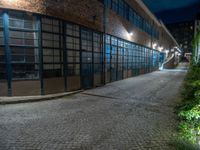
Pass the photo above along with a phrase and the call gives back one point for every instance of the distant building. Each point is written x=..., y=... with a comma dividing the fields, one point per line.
x=183, y=32
x=197, y=25
x=196, y=47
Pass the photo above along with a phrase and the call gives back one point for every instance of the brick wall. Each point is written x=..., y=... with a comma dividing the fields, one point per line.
x=90, y=13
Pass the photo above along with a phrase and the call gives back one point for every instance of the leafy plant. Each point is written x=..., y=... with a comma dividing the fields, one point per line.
x=187, y=132
x=189, y=109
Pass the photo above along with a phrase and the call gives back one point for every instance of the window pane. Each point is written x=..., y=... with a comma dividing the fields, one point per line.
x=52, y=47
x=22, y=20
x=24, y=45
x=2, y=55
x=25, y=71
x=1, y=37
x=2, y=71
x=23, y=38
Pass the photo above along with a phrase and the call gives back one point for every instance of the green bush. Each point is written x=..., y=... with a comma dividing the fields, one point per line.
x=189, y=109
x=186, y=132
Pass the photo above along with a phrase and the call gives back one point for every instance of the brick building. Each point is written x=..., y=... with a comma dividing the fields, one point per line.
x=63, y=45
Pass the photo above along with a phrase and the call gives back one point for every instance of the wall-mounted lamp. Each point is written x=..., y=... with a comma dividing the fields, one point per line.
x=154, y=45
x=160, y=48
x=130, y=33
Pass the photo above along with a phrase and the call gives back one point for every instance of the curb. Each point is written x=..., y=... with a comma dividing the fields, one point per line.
x=27, y=99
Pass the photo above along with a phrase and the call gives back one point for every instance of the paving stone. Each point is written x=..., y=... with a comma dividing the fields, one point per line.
x=133, y=114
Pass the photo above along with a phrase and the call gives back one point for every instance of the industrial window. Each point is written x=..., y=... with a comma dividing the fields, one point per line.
x=87, y=55
x=2, y=51
x=146, y=26
x=137, y=57
x=114, y=55
x=133, y=55
x=108, y=38
x=73, y=49
x=113, y=58
x=114, y=41
x=1, y=40
x=138, y=20
x=108, y=51
x=127, y=12
x=97, y=53
x=115, y=5
x=1, y=31
x=151, y=58
x=143, y=57
x=52, y=49
x=107, y=3
x=131, y=15
x=23, y=37
x=126, y=54
x=130, y=56
x=155, y=58
x=140, y=56
x=134, y=47
x=120, y=54
x=86, y=38
x=122, y=8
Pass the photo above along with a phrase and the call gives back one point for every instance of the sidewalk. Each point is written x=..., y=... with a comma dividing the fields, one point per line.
x=28, y=99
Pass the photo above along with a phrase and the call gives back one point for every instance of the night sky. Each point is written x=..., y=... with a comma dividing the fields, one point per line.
x=171, y=11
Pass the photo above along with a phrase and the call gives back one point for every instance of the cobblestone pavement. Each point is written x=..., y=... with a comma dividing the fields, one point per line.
x=133, y=114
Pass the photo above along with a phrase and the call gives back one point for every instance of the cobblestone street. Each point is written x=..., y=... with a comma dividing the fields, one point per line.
x=132, y=114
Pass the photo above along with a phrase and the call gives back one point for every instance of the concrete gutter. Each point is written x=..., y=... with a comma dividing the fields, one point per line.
x=29, y=99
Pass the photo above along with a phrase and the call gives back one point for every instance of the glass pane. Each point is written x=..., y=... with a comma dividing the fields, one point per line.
x=22, y=20
x=25, y=71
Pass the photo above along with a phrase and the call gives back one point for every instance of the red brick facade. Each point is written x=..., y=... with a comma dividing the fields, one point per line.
x=90, y=13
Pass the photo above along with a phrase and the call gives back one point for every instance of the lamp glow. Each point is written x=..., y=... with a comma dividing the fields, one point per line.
x=130, y=33
x=154, y=45
x=160, y=48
